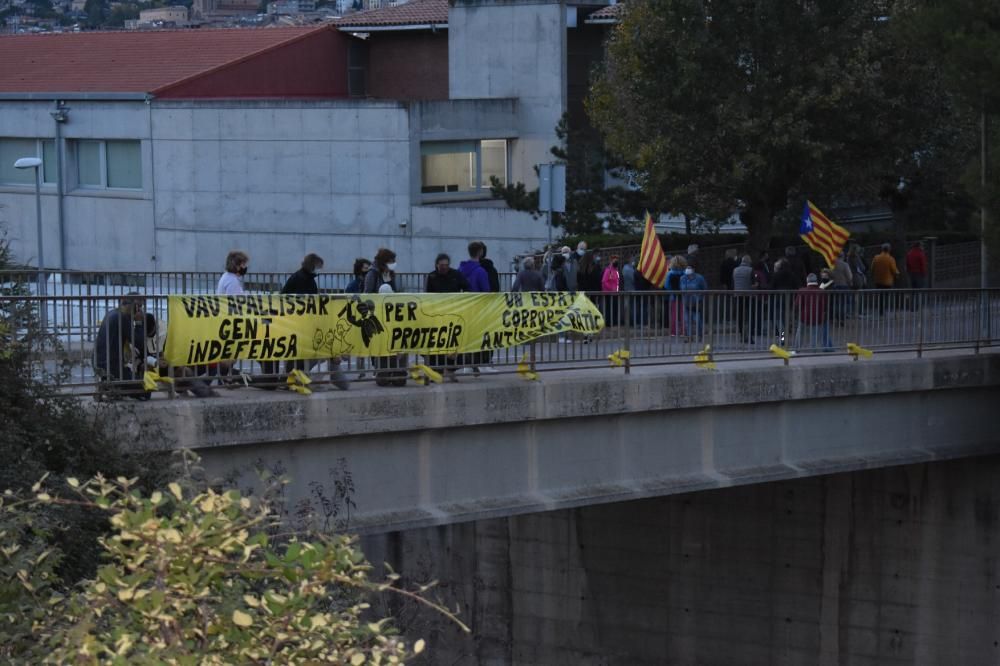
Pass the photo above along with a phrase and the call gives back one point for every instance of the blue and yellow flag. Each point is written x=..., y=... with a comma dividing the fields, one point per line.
x=822, y=234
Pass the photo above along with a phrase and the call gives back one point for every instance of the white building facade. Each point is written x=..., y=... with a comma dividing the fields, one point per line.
x=173, y=184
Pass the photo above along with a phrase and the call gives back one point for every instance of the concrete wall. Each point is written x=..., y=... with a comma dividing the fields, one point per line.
x=896, y=566
x=276, y=178
x=104, y=230
x=513, y=48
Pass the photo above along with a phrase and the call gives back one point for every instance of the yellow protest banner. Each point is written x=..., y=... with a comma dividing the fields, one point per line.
x=275, y=327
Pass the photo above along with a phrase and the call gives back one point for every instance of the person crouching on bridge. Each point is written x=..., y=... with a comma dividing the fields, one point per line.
x=121, y=339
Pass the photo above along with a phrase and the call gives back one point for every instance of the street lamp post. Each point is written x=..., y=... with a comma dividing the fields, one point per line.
x=36, y=164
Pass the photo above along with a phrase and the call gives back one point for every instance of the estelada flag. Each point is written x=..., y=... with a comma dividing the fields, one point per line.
x=822, y=234
x=652, y=261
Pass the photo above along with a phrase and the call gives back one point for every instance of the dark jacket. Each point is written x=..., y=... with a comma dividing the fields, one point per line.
x=449, y=283
x=528, y=280
x=118, y=331
x=729, y=264
x=491, y=273
x=589, y=280
x=374, y=281
x=301, y=282
x=356, y=285
x=557, y=275
x=811, y=304
x=475, y=274
x=784, y=280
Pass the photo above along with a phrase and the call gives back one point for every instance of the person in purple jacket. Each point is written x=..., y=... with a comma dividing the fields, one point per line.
x=478, y=281
x=473, y=270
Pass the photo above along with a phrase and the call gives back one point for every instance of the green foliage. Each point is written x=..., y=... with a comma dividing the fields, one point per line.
x=121, y=13
x=591, y=208
x=750, y=106
x=192, y=577
x=963, y=38
x=45, y=432
x=97, y=13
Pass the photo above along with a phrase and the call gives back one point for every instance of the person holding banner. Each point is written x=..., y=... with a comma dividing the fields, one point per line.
x=381, y=279
x=445, y=280
x=303, y=281
x=231, y=282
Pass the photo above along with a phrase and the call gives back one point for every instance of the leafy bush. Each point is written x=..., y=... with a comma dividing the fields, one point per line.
x=191, y=577
x=45, y=431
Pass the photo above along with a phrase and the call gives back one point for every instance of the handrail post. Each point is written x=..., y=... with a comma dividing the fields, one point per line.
x=920, y=327
x=708, y=321
x=979, y=321
x=626, y=312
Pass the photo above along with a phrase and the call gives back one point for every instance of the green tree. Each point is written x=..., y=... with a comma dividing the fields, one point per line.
x=591, y=208
x=747, y=105
x=48, y=432
x=964, y=38
x=122, y=13
x=97, y=12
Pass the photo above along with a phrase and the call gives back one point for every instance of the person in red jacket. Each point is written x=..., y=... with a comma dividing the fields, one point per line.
x=812, y=306
x=916, y=266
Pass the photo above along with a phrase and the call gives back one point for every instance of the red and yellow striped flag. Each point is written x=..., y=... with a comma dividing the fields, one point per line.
x=652, y=261
x=822, y=234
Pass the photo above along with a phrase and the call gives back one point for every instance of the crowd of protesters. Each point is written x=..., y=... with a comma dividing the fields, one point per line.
x=769, y=298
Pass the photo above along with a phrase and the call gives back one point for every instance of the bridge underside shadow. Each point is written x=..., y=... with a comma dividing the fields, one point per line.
x=896, y=566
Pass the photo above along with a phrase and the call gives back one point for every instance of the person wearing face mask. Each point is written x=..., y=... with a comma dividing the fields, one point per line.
x=303, y=281
x=381, y=277
x=611, y=281
x=691, y=283
x=231, y=282
x=357, y=283
x=571, y=266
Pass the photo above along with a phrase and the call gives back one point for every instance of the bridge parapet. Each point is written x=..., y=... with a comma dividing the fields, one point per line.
x=501, y=445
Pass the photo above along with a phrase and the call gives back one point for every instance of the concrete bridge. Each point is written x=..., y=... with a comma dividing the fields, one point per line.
x=501, y=445
x=829, y=512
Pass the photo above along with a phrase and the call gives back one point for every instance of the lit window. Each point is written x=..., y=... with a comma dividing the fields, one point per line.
x=12, y=150
x=109, y=164
x=462, y=166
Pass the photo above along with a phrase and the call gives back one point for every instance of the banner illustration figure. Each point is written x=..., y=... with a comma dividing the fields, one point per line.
x=276, y=327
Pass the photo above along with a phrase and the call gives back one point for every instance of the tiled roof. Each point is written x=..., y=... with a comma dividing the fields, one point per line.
x=415, y=12
x=127, y=62
x=609, y=14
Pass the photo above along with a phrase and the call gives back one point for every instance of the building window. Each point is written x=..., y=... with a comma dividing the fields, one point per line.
x=109, y=164
x=12, y=150
x=462, y=166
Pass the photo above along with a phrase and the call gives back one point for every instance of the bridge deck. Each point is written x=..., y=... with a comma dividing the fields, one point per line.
x=500, y=445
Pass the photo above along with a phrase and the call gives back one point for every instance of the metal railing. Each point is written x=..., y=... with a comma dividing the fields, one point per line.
x=652, y=327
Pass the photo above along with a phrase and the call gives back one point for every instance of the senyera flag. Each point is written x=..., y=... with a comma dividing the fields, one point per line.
x=652, y=261
x=822, y=234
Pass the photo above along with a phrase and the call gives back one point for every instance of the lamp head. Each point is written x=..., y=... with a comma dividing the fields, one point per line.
x=28, y=163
